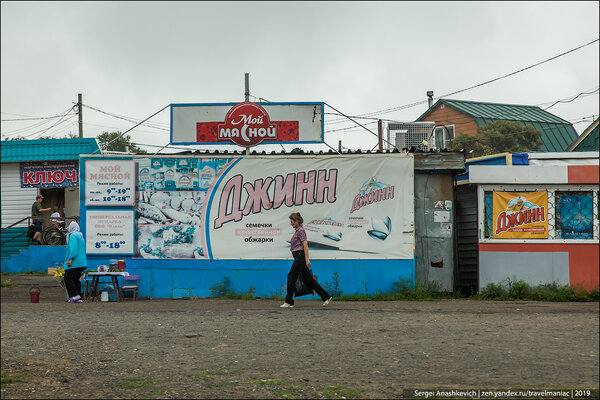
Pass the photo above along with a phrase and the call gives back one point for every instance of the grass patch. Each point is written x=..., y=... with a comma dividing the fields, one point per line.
x=333, y=287
x=7, y=283
x=512, y=289
x=7, y=380
x=209, y=374
x=137, y=383
x=339, y=392
x=224, y=290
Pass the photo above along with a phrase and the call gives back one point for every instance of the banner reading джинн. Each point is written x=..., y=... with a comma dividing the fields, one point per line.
x=520, y=215
x=354, y=207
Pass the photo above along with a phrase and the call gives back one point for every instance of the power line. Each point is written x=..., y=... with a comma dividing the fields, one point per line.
x=388, y=110
x=573, y=99
x=40, y=133
x=35, y=125
x=133, y=127
x=123, y=118
x=27, y=119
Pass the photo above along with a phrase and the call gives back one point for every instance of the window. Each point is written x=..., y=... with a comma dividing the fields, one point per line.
x=488, y=222
x=574, y=215
x=443, y=135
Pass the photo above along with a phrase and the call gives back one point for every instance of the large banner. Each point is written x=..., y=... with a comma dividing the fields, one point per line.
x=354, y=207
x=48, y=174
x=520, y=215
x=247, y=124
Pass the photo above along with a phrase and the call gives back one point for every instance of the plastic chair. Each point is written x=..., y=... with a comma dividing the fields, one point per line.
x=131, y=287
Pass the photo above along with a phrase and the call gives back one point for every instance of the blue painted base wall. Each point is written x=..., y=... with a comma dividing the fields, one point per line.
x=35, y=259
x=195, y=278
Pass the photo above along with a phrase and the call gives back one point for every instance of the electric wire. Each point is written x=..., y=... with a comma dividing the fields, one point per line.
x=40, y=133
x=373, y=133
x=124, y=118
x=388, y=110
x=133, y=127
x=35, y=125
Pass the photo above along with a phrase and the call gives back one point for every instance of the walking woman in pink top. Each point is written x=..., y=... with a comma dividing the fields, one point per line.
x=299, y=249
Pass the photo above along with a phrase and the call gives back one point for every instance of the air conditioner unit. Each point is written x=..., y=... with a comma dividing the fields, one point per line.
x=406, y=135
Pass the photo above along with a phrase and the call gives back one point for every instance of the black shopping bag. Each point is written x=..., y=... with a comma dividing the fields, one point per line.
x=301, y=288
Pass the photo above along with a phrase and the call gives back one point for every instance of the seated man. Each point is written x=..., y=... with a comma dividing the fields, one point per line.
x=54, y=216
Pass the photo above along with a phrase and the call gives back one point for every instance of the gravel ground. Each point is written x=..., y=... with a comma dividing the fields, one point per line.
x=210, y=348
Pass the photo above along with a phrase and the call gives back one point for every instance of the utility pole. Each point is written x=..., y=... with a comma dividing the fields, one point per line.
x=80, y=115
x=247, y=79
x=247, y=98
x=380, y=134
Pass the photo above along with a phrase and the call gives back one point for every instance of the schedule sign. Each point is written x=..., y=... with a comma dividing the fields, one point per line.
x=110, y=231
x=109, y=183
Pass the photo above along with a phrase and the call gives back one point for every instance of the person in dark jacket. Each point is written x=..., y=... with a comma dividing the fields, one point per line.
x=36, y=213
x=299, y=249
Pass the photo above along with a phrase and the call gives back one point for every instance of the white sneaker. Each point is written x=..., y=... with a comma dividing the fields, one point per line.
x=327, y=301
x=286, y=305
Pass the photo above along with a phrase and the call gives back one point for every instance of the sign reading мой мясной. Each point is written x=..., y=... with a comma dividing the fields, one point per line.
x=109, y=182
x=247, y=124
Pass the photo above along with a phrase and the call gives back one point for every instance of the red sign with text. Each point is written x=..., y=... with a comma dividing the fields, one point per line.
x=247, y=124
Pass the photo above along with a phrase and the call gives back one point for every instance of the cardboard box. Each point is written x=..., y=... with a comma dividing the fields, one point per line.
x=51, y=271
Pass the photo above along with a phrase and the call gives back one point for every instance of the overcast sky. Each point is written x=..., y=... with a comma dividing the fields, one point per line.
x=134, y=58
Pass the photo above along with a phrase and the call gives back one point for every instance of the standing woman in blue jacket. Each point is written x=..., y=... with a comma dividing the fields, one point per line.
x=75, y=262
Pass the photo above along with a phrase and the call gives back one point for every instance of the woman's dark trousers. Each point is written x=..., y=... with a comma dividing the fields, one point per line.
x=72, y=281
x=299, y=267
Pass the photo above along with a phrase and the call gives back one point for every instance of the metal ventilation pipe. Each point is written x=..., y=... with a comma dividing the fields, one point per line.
x=430, y=98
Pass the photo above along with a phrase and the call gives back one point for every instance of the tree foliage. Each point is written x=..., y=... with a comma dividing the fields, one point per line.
x=115, y=141
x=500, y=137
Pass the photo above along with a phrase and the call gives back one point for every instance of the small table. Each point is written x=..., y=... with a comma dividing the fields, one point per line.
x=113, y=276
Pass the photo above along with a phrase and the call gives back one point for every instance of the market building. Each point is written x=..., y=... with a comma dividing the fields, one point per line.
x=49, y=167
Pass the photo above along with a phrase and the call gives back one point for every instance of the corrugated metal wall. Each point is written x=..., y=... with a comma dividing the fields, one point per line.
x=467, y=271
x=16, y=201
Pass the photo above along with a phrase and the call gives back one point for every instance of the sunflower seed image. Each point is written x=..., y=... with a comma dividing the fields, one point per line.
x=337, y=236
x=381, y=228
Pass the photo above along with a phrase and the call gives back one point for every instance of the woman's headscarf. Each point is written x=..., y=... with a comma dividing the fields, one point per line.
x=73, y=227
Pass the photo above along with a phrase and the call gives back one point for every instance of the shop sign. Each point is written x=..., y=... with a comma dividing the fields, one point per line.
x=247, y=124
x=520, y=215
x=49, y=174
x=109, y=183
x=109, y=231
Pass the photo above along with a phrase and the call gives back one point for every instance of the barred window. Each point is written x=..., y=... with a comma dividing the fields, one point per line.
x=574, y=215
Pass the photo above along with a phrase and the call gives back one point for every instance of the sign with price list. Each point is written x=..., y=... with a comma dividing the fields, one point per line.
x=110, y=183
x=110, y=231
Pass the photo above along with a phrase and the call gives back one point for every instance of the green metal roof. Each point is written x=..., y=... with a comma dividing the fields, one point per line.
x=589, y=139
x=557, y=133
x=46, y=149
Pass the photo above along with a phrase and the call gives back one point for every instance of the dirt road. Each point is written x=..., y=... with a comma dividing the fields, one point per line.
x=210, y=348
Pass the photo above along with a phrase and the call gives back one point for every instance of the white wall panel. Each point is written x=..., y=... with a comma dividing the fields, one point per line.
x=16, y=201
